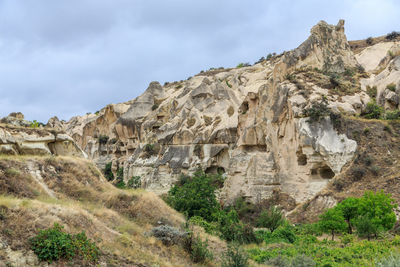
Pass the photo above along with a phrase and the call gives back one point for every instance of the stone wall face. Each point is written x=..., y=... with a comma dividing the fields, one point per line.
x=247, y=123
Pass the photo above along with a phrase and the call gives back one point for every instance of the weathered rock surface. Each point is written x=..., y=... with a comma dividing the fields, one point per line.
x=17, y=140
x=247, y=123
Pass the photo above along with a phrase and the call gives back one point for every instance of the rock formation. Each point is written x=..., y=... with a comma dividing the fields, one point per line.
x=247, y=123
x=18, y=140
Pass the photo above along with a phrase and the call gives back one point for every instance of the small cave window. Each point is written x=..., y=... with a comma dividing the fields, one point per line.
x=244, y=107
x=301, y=158
x=326, y=172
x=215, y=170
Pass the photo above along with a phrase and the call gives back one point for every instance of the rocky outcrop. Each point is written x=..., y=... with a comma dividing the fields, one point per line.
x=326, y=48
x=249, y=123
x=34, y=141
x=245, y=123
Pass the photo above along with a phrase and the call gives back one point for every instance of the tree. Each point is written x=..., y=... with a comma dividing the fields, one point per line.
x=271, y=218
x=350, y=210
x=332, y=221
x=195, y=196
x=365, y=227
x=378, y=208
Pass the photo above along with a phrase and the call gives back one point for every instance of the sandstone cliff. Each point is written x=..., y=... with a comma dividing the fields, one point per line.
x=249, y=123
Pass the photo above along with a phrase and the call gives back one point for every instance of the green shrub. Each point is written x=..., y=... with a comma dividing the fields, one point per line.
x=317, y=111
x=369, y=40
x=347, y=238
x=53, y=244
x=391, y=87
x=392, y=115
x=108, y=172
x=235, y=257
x=242, y=207
x=232, y=229
x=154, y=107
x=209, y=227
x=134, y=182
x=357, y=173
x=271, y=218
x=34, y=124
x=332, y=221
x=241, y=65
x=302, y=261
x=372, y=91
x=195, y=197
x=373, y=111
x=103, y=139
x=199, y=250
x=278, y=262
x=285, y=233
x=120, y=179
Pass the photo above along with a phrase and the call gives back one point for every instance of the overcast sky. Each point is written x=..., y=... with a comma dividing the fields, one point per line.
x=70, y=57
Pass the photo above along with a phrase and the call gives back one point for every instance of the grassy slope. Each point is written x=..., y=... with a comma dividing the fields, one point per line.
x=116, y=219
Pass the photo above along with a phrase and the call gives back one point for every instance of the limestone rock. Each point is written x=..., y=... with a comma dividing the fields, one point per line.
x=246, y=123
x=29, y=141
x=326, y=48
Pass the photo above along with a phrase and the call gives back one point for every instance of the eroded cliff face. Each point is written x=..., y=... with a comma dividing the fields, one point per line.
x=247, y=123
x=16, y=138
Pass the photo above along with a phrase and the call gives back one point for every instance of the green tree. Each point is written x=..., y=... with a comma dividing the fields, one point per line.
x=108, y=172
x=195, y=197
x=378, y=207
x=271, y=218
x=365, y=227
x=350, y=211
x=332, y=221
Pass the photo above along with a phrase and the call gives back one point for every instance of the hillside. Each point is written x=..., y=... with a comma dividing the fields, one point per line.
x=252, y=123
x=45, y=180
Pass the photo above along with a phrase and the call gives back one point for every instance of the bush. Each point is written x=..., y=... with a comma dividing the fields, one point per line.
x=369, y=40
x=302, y=261
x=108, y=172
x=196, y=197
x=134, y=182
x=317, y=111
x=357, y=173
x=332, y=221
x=120, y=179
x=392, y=115
x=391, y=87
x=235, y=257
x=53, y=244
x=271, y=218
x=241, y=65
x=232, y=229
x=393, y=35
x=285, y=233
x=169, y=235
x=34, y=124
x=373, y=111
x=199, y=250
x=154, y=107
x=103, y=139
x=209, y=227
x=372, y=91
x=278, y=262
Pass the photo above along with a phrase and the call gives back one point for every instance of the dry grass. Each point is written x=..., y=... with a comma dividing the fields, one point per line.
x=117, y=220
